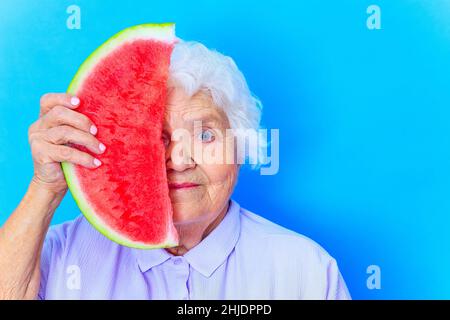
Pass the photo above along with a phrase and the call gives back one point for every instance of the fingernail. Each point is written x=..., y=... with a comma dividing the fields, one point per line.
x=97, y=162
x=102, y=147
x=75, y=101
x=93, y=130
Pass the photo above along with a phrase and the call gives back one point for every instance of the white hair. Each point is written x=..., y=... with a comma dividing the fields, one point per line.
x=195, y=68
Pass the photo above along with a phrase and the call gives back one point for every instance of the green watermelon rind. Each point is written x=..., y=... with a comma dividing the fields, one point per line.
x=163, y=32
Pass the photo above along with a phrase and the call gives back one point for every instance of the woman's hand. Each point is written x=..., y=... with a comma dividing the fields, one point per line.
x=59, y=123
x=22, y=235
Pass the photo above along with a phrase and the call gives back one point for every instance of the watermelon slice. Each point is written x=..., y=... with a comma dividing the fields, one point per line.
x=123, y=87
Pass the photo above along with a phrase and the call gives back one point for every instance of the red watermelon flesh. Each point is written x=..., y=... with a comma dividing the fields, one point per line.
x=122, y=87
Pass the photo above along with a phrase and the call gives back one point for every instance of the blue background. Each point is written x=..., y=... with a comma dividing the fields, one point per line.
x=363, y=117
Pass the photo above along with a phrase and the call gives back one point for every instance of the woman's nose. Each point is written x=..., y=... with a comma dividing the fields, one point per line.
x=178, y=155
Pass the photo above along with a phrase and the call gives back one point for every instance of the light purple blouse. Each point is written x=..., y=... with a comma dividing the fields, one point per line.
x=244, y=257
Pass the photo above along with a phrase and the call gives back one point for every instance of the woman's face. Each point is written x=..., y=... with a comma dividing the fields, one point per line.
x=200, y=177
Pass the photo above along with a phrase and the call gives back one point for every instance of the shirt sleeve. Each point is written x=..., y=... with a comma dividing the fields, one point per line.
x=51, y=250
x=336, y=288
x=44, y=267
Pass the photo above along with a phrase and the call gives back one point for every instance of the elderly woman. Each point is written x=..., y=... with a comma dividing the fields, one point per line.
x=225, y=251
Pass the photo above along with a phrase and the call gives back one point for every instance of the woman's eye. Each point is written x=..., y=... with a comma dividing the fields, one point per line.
x=206, y=136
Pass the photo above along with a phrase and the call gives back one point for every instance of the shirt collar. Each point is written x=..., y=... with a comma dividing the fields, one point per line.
x=209, y=254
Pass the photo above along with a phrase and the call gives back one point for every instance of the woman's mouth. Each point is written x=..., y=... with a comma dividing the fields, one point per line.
x=182, y=185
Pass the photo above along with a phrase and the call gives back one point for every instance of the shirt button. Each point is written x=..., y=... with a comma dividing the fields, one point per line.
x=177, y=261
